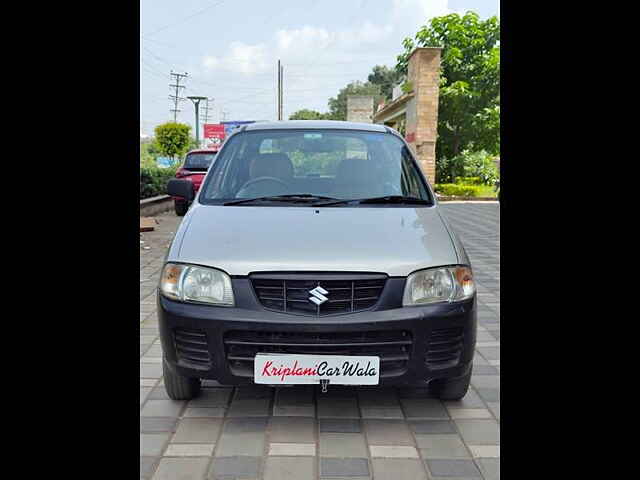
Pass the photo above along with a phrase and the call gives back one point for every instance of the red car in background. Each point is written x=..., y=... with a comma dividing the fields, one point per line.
x=195, y=166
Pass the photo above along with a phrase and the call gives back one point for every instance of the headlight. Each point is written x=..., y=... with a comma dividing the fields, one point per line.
x=190, y=283
x=446, y=284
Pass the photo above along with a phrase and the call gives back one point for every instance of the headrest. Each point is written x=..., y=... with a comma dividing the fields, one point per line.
x=271, y=165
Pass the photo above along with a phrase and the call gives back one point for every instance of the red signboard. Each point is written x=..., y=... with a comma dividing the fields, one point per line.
x=214, y=130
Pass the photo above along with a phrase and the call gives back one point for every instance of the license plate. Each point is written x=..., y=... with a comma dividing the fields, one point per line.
x=284, y=369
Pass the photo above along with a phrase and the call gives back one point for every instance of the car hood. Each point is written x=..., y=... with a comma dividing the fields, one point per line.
x=245, y=239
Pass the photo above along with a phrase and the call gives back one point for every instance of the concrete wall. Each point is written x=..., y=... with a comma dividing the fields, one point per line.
x=360, y=108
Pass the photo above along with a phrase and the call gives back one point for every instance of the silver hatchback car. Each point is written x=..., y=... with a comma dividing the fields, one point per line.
x=316, y=253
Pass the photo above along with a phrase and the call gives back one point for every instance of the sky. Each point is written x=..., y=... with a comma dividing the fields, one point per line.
x=230, y=49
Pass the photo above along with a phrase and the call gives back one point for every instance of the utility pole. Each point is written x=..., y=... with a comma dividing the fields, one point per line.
x=280, y=109
x=205, y=108
x=205, y=113
x=281, y=92
x=279, y=96
x=196, y=101
x=176, y=98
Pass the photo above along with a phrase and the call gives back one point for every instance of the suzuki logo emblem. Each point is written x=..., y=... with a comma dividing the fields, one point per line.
x=318, y=295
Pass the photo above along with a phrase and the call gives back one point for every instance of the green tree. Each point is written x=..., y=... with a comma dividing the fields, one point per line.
x=173, y=139
x=338, y=104
x=386, y=77
x=306, y=114
x=469, y=106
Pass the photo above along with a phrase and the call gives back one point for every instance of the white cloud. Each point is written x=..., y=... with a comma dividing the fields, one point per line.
x=242, y=58
x=304, y=38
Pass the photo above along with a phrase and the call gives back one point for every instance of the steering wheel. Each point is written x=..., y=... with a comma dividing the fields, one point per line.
x=254, y=181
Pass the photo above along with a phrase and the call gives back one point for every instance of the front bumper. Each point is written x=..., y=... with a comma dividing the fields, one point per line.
x=438, y=340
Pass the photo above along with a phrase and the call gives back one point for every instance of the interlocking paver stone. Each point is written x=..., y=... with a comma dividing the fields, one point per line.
x=441, y=446
x=158, y=424
x=201, y=412
x=147, y=466
x=197, y=430
x=398, y=469
x=292, y=449
x=181, y=468
x=292, y=430
x=212, y=397
x=393, y=451
x=453, y=468
x=485, y=451
x=246, y=444
x=247, y=424
x=381, y=412
x=224, y=468
x=278, y=468
x=189, y=450
x=479, y=432
x=152, y=444
x=329, y=407
x=424, y=408
x=388, y=432
x=344, y=467
x=490, y=468
x=249, y=408
x=489, y=394
x=432, y=426
x=161, y=408
x=339, y=425
x=342, y=445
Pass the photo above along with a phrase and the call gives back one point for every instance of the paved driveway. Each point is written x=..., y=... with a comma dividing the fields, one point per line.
x=354, y=433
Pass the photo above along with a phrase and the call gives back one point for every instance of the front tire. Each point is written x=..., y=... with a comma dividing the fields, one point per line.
x=180, y=208
x=450, y=388
x=177, y=386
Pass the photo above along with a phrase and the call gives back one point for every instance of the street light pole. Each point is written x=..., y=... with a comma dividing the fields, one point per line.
x=196, y=102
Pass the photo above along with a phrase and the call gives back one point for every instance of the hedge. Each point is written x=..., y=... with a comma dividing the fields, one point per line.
x=153, y=181
x=452, y=189
x=469, y=181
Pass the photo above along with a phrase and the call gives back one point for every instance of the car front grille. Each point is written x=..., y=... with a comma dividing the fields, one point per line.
x=292, y=293
x=444, y=347
x=393, y=347
x=192, y=348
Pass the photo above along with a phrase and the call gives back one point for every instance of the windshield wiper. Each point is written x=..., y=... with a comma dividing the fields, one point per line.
x=398, y=199
x=300, y=197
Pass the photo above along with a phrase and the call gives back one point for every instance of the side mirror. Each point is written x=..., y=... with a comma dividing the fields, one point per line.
x=180, y=188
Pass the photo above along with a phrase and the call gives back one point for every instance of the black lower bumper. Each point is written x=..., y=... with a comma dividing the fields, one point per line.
x=415, y=344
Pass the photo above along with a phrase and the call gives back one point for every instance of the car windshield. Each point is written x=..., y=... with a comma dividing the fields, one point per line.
x=199, y=161
x=302, y=166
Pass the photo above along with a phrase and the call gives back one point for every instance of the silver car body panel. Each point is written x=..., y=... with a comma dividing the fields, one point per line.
x=244, y=239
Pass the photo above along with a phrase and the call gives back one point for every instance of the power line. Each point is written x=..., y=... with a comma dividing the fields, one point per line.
x=176, y=98
x=184, y=19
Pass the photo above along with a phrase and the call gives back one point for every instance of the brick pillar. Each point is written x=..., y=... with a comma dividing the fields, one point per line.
x=422, y=110
x=360, y=108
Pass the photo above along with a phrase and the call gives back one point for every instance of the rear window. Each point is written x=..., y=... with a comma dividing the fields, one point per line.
x=199, y=161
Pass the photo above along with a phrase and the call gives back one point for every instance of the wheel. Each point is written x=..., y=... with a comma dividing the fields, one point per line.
x=181, y=208
x=177, y=386
x=450, y=388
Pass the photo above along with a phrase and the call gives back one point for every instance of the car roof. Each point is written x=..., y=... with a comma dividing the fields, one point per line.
x=204, y=150
x=316, y=125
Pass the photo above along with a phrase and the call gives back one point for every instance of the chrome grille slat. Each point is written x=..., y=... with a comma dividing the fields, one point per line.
x=286, y=293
